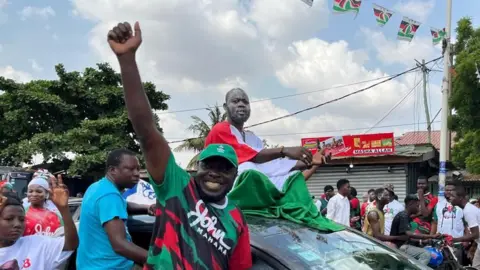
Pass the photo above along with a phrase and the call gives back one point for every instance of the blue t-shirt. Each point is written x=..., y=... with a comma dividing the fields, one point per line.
x=102, y=202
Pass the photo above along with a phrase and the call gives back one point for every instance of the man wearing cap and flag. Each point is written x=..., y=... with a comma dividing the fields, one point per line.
x=197, y=226
x=391, y=209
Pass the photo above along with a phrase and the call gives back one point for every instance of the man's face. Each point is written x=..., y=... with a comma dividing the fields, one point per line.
x=455, y=199
x=345, y=189
x=422, y=184
x=330, y=193
x=214, y=179
x=127, y=173
x=237, y=106
x=385, y=197
x=371, y=196
x=448, y=191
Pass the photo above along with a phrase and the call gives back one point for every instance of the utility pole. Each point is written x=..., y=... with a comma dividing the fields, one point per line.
x=444, y=143
x=425, y=71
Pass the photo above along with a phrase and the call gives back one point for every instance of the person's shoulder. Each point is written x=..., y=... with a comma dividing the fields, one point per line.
x=36, y=240
x=220, y=126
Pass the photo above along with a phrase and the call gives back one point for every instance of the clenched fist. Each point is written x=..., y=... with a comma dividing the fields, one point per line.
x=123, y=40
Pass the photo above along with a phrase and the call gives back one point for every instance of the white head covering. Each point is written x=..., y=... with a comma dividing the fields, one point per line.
x=39, y=181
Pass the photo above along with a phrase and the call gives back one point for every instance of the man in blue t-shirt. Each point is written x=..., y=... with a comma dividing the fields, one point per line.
x=104, y=239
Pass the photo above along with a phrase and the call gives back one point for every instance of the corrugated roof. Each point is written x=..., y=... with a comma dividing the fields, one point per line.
x=421, y=137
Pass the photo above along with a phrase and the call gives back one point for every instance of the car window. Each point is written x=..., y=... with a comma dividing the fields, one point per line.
x=76, y=215
x=312, y=249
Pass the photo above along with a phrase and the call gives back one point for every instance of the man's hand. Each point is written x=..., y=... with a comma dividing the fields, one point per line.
x=436, y=236
x=354, y=219
x=151, y=210
x=59, y=193
x=122, y=40
x=319, y=159
x=299, y=153
x=420, y=193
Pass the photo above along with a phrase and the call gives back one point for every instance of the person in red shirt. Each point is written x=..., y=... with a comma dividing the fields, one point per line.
x=422, y=222
x=354, y=210
x=38, y=219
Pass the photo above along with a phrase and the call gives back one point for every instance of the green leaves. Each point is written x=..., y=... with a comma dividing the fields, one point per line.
x=79, y=113
x=465, y=98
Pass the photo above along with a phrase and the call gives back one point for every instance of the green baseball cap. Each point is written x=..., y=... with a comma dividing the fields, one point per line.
x=219, y=150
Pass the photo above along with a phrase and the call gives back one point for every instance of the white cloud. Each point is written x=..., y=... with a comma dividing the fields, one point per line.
x=29, y=11
x=418, y=10
x=198, y=50
x=35, y=66
x=392, y=51
x=19, y=76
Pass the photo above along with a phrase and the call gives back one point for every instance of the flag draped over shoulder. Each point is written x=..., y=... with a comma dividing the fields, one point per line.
x=346, y=5
x=382, y=14
x=437, y=35
x=408, y=28
x=222, y=133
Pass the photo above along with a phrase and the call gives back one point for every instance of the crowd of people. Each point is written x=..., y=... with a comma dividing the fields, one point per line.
x=196, y=225
x=411, y=225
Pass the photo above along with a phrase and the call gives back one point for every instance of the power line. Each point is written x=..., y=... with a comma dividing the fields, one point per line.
x=394, y=106
x=342, y=97
x=330, y=101
x=285, y=96
x=326, y=130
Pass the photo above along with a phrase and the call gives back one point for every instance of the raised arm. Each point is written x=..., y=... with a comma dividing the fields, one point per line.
x=124, y=43
x=59, y=196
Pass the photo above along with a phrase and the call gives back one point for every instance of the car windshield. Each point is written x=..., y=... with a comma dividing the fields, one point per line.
x=312, y=249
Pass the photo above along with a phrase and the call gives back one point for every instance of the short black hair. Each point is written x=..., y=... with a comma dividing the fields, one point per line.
x=353, y=192
x=410, y=197
x=342, y=182
x=327, y=188
x=422, y=177
x=115, y=157
x=460, y=191
x=378, y=192
x=395, y=197
x=12, y=199
x=370, y=190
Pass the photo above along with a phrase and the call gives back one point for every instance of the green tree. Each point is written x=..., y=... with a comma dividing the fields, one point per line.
x=82, y=113
x=465, y=98
x=201, y=129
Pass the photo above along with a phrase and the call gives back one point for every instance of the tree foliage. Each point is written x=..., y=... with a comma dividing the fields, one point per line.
x=201, y=129
x=465, y=98
x=82, y=113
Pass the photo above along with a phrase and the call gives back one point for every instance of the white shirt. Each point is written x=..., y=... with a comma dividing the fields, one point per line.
x=318, y=204
x=472, y=217
x=449, y=219
x=34, y=252
x=338, y=209
x=142, y=193
x=391, y=210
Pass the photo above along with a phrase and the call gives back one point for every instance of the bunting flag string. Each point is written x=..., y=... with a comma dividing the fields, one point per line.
x=342, y=6
x=437, y=35
x=408, y=28
x=382, y=14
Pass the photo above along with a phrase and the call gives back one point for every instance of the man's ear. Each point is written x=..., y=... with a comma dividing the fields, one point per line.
x=225, y=106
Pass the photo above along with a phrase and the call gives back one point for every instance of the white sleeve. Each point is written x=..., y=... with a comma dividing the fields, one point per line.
x=54, y=251
x=470, y=215
x=331, y=206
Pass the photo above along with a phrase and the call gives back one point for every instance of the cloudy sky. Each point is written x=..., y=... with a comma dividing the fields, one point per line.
x=282, y=52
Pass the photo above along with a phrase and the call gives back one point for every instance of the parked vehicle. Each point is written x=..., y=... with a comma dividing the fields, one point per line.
x=282, y=244
x=19, y=180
